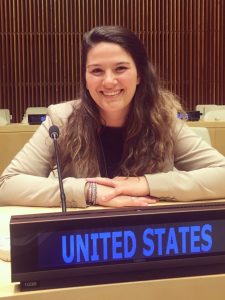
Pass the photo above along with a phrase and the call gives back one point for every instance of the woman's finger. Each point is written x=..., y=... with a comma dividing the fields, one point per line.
x=126, y=201
x=102, y=180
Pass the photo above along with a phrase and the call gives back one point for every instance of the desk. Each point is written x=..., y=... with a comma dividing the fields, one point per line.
x=12, y=139
x=187, y=288
x=216, y=132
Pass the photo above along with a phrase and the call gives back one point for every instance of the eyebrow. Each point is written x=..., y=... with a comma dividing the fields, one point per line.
x=119, y=63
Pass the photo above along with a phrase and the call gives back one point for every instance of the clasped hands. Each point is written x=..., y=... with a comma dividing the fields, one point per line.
x=122, y=191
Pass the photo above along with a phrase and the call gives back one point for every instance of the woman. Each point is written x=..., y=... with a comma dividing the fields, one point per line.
x=124, y=135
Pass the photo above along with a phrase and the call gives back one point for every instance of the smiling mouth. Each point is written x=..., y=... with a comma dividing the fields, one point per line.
x=110, y=94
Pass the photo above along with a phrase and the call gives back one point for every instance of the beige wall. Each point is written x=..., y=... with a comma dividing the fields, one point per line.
x=216, y=132
x=12, y=139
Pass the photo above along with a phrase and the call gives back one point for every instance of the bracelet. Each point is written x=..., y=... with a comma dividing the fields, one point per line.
x=92, y=194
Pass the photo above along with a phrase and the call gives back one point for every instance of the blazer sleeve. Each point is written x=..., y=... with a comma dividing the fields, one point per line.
x=26, y=180
x=199, y=172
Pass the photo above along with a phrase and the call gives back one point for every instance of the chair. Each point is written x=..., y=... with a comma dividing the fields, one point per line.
x=215, y=115
x=204, y=108
x=203, y=133
x=33, y=111
x=4, y=116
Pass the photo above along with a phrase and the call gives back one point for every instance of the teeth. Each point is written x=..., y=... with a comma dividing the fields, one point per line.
x=111, y=93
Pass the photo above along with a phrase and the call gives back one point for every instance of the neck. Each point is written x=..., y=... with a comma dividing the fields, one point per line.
x=114, y=119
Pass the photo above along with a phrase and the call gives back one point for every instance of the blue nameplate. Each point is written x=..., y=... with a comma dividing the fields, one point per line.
x=114, y=245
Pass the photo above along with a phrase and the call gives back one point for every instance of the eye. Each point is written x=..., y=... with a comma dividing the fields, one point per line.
x=121, y=69
x=96, y=71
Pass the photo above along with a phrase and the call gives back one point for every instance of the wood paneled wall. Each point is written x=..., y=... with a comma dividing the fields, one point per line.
x=40, y=47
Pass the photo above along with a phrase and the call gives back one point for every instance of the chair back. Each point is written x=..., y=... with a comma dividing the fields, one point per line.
x=4, y=116
x=34, y=111
x=215, y=115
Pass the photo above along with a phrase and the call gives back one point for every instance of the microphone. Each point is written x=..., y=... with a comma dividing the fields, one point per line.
x=54, y=134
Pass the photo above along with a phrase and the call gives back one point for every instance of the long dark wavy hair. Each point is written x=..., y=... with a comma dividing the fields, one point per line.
x=148, y=127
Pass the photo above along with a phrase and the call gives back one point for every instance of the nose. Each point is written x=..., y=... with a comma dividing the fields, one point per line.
x=109, y=79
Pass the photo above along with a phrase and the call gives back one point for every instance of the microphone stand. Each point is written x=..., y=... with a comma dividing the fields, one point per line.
x=62, y=194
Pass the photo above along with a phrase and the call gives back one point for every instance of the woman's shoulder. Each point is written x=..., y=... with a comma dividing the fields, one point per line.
x=64, y=108
x=59, y=113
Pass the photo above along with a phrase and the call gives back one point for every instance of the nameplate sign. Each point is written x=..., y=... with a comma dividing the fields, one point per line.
x=101, y=246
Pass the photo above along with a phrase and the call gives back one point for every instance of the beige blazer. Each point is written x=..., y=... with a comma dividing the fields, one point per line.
x=196, y=171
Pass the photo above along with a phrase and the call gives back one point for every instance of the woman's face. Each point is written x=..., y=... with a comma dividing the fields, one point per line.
x=111, y=78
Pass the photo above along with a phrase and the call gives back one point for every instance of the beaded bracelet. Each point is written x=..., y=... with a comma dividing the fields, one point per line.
x=92, y=194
